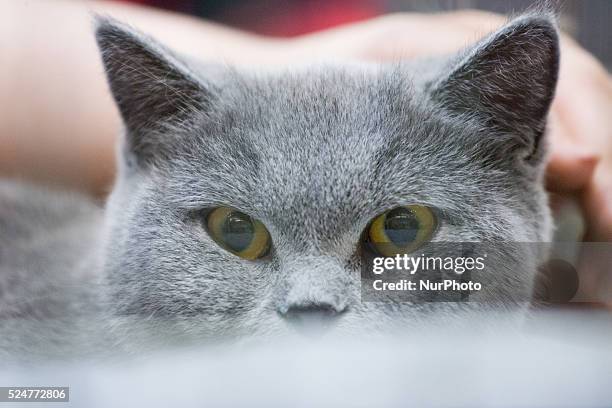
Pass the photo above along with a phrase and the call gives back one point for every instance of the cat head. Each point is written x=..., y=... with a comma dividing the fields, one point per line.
x=297, y=164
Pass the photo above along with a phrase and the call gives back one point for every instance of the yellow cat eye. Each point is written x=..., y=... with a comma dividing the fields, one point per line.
x=238, y=233
x=401, y=230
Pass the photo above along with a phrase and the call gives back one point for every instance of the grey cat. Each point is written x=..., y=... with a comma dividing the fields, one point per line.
x=309, y=156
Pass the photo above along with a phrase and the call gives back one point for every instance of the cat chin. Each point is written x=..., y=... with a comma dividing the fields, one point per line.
x=100, y=336
x=398, y=319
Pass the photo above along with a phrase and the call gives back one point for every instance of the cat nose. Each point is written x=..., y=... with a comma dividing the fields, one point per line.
x=311, y=317
x=325, y=310
x=314, y=292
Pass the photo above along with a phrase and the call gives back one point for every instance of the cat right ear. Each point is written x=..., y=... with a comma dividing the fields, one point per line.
x=507, y=81
x=152, y=88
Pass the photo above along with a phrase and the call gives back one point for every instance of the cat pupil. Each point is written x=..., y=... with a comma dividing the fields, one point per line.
x=401, y=226
x=238, y=231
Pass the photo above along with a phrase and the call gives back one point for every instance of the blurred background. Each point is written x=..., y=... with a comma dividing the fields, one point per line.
x=587, y=21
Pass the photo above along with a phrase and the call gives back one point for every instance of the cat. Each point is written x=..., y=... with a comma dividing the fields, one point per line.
x=312, y=155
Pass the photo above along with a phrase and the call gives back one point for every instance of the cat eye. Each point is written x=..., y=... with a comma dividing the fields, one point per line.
x=401, y=230
x=238, y=233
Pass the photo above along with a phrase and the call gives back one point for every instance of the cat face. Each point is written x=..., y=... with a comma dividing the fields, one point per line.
x=311, y=156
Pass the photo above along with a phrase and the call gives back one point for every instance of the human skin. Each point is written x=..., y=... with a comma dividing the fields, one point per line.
x=58, y=121
x=59, y=124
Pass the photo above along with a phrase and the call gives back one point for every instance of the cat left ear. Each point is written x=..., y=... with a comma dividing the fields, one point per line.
x=151, y=86
x=508, y=80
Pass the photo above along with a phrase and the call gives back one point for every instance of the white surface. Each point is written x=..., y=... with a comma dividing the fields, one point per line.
x=558, y=360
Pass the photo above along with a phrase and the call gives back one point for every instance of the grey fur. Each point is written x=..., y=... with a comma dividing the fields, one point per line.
x=315, y=154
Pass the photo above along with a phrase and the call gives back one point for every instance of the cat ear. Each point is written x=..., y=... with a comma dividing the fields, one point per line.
x=508, y=80
x=152, y=88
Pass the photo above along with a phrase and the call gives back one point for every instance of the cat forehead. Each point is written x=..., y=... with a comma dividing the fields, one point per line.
x=343, y=138
x=320, y=108
x=312, y=119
